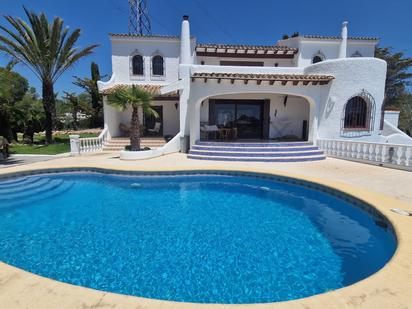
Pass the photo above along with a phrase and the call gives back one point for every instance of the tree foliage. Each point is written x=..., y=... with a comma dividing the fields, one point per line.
x=90, y=86
x=79, y=105
x=47, y=48
x=398, y=74
x=398, y=82
x=13, y=87
x=28, y=116
x=137, y=98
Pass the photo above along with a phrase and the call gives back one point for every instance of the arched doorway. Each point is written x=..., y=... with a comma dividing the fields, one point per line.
x=252, y=116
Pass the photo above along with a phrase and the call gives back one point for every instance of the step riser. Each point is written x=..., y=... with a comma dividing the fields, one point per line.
x=256, y=152
x=251, y=149
x=253, y=155
x=258, y=160
x=269, y=144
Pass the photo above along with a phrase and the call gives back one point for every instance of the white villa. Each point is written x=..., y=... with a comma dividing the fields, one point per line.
x=218, y=99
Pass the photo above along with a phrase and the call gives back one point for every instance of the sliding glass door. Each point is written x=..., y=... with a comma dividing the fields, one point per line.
x=244, y=115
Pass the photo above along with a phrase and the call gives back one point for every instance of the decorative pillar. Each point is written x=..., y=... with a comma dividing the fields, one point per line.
x=186, y=63
x=74, y=145
x=344, y=42
x=185, y=54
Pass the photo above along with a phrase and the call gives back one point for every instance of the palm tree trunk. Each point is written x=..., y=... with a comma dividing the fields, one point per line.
x=48, y=105
x=135, y=130
x=5, y=127
x=28, y=133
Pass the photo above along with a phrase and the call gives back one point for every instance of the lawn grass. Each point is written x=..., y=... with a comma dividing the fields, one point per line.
x=61, y=145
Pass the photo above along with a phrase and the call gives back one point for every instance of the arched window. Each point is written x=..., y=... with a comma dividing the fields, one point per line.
x=357, y=114
x=137, y=65
x=317, y=59
x=157, y=65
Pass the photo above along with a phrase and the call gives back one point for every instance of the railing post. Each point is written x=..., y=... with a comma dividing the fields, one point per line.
x=408, y=154
x=74, y=145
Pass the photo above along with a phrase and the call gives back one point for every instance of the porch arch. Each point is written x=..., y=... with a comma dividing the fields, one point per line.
x=195, y=103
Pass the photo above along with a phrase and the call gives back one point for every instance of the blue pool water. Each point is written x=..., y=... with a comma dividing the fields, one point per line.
x=194, y=238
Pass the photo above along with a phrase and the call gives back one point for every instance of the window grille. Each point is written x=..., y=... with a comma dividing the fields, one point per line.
x=137, y=65
x=358, y=114
x=157, y=65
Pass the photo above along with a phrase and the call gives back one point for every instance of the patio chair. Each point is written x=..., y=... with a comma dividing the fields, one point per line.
x=206, y=130
x=156, y=129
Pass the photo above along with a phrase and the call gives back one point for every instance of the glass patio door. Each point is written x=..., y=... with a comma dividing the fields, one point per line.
x=240, y=114
x=249, y=120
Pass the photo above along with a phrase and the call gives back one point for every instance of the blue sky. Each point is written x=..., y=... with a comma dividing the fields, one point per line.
x=219, y=21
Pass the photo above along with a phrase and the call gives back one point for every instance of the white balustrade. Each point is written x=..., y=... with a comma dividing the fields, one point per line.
x=381, y=153
x=88, y=144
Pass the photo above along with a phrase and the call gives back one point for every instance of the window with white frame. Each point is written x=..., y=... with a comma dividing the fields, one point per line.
x=137, y=65
x=157, y=65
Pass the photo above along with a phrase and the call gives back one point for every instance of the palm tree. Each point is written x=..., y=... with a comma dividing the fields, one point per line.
x=47, y=49
x=137, y=98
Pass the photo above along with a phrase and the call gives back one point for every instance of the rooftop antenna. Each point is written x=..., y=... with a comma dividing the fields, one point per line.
x=139, y=22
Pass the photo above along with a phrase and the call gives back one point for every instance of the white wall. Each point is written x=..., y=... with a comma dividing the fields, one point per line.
x=330, y=49
x=352, y=76
x=124, y=48
x=392, y=117
x=308, y=48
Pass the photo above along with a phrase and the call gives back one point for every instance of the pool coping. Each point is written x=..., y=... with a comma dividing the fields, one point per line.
x=388, y=288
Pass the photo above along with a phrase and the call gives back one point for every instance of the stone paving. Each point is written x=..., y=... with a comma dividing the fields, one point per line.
x=381, y=187
x=16, y=160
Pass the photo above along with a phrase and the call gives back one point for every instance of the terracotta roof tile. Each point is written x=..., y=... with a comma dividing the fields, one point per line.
x=246, y=50
x=154, y=90
x=244, y=46
x=325, y=37
x=265, y=77
x=149, y=36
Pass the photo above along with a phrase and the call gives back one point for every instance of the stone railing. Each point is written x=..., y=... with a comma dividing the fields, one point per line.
x=89, y=144
x=376, y=153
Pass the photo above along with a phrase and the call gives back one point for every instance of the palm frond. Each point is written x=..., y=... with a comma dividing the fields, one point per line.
x=47, y=48
x=133, y=96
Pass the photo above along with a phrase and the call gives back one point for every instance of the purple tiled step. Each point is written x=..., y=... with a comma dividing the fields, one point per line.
x=256, y=154
x=253, y=144
x=270, y=159
x=256, y=151
x=224, y=148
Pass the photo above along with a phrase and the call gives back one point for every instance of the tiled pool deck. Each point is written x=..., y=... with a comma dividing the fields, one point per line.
x=384, y=188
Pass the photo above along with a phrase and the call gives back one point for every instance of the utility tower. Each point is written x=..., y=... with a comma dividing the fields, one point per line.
x=139, y=22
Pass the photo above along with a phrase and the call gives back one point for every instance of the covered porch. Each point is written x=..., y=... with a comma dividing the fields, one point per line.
x=255, y=117
x=165, y=125
x=249, y=107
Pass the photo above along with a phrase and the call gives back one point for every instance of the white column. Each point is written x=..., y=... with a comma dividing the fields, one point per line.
x=186, y=62
x=185, y=49
x=74, y=145
x=344, y=42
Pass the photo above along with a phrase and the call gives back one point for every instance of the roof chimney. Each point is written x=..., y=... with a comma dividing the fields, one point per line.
x=185, y=50
x=344, y=42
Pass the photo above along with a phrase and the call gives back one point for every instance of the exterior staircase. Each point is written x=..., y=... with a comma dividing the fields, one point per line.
x=119, y=143
x=256, y=151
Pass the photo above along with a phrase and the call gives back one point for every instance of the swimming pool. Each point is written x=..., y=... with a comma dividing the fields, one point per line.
x=207, y=238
